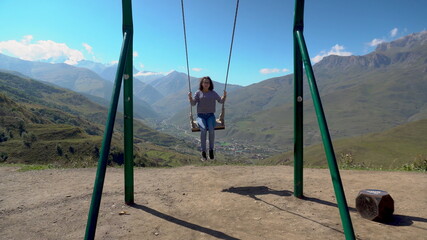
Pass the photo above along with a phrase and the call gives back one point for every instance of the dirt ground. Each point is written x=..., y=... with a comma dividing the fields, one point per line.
x=220, y=202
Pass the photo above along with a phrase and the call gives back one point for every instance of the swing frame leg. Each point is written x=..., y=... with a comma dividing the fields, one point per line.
x=301, y=57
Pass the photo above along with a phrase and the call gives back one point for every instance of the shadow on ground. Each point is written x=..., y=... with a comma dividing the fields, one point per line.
x=402, y=220
x=214, y=233
x=254, y=191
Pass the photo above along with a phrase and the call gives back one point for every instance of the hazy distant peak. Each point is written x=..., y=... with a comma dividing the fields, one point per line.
x=372, y=60
x=175, y=74
x=402, y=50
x=147, y=73
x=408, y=41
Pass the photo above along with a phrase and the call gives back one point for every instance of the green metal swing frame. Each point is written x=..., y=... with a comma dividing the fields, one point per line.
x=124, y=72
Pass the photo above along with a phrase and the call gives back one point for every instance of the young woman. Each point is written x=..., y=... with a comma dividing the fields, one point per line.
x=206, y=98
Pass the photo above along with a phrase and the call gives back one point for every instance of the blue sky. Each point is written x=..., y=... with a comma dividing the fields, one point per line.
x=69, y=31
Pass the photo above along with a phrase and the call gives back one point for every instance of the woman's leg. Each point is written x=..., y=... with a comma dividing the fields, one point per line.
x=211, y=122
x=202, y=125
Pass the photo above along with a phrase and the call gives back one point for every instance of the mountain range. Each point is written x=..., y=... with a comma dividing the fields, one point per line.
x=155, y=95
x=36, y=118
x=360, y=94
x=61, y=74
x=77, y=79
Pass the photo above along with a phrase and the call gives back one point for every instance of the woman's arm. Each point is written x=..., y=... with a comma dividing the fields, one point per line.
x=193, y=101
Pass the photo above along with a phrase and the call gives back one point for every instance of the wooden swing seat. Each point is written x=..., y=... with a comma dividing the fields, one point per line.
x=219, y=126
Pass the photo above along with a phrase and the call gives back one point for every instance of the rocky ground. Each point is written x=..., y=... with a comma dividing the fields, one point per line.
x=220, y=202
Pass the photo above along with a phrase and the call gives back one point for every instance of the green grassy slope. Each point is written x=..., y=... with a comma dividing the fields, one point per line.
x=377, y=102
x=47, y=100
x=390, y=149
x=28, y=137
x=41, y=123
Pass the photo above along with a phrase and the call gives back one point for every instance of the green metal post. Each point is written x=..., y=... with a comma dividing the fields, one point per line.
x=106, y=142
x=128, y=106
x=327, y=143
x=298, y=103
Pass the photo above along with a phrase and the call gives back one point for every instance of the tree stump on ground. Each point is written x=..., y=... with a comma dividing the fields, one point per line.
x=375, y=205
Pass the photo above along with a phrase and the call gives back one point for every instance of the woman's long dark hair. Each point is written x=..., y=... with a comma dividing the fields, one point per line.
x=211, y=86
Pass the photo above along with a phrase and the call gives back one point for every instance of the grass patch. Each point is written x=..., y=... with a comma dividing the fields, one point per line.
x=28, y=167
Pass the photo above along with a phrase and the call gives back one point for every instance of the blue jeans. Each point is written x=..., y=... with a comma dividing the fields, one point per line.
x=206, y=122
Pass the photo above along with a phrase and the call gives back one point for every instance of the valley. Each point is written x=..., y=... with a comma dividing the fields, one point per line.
x=361, y=96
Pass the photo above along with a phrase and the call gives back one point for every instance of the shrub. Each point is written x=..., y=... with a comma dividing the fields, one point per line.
x=420, y=163
x=3, y=135
x=141, y=161
x=116, y=156
x=22, y=128
x=408, y=167
x=28, y=139
x=347, y=161
x=95, y=152
x=71, y=150
x=3, y=156
x=59, y=150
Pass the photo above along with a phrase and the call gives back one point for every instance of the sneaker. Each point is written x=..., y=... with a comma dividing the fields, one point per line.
x=211, y=154
x=204, y=158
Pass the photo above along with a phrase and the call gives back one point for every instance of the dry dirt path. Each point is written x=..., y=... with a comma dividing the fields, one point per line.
x=221, y=202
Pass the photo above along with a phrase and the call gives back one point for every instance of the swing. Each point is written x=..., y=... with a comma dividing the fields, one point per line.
x=220, y=123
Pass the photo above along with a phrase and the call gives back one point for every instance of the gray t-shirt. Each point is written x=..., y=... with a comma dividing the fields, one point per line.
x=206, y=101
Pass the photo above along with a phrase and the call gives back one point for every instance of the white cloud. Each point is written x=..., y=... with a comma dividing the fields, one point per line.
x=375, y=42
x=135, y=54
x=27, y=39
x=197, y=69
x=41, y=50
x=335, y=50
x=393, y=32
x=114, y=62
x=272, y=70
x=88, y=48
x=319, y=57
x=141, y=65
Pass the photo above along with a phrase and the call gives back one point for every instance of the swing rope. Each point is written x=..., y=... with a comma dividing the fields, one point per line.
x=186, y=48
x=231, y=45
x=188, y=68
x=221, y=116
